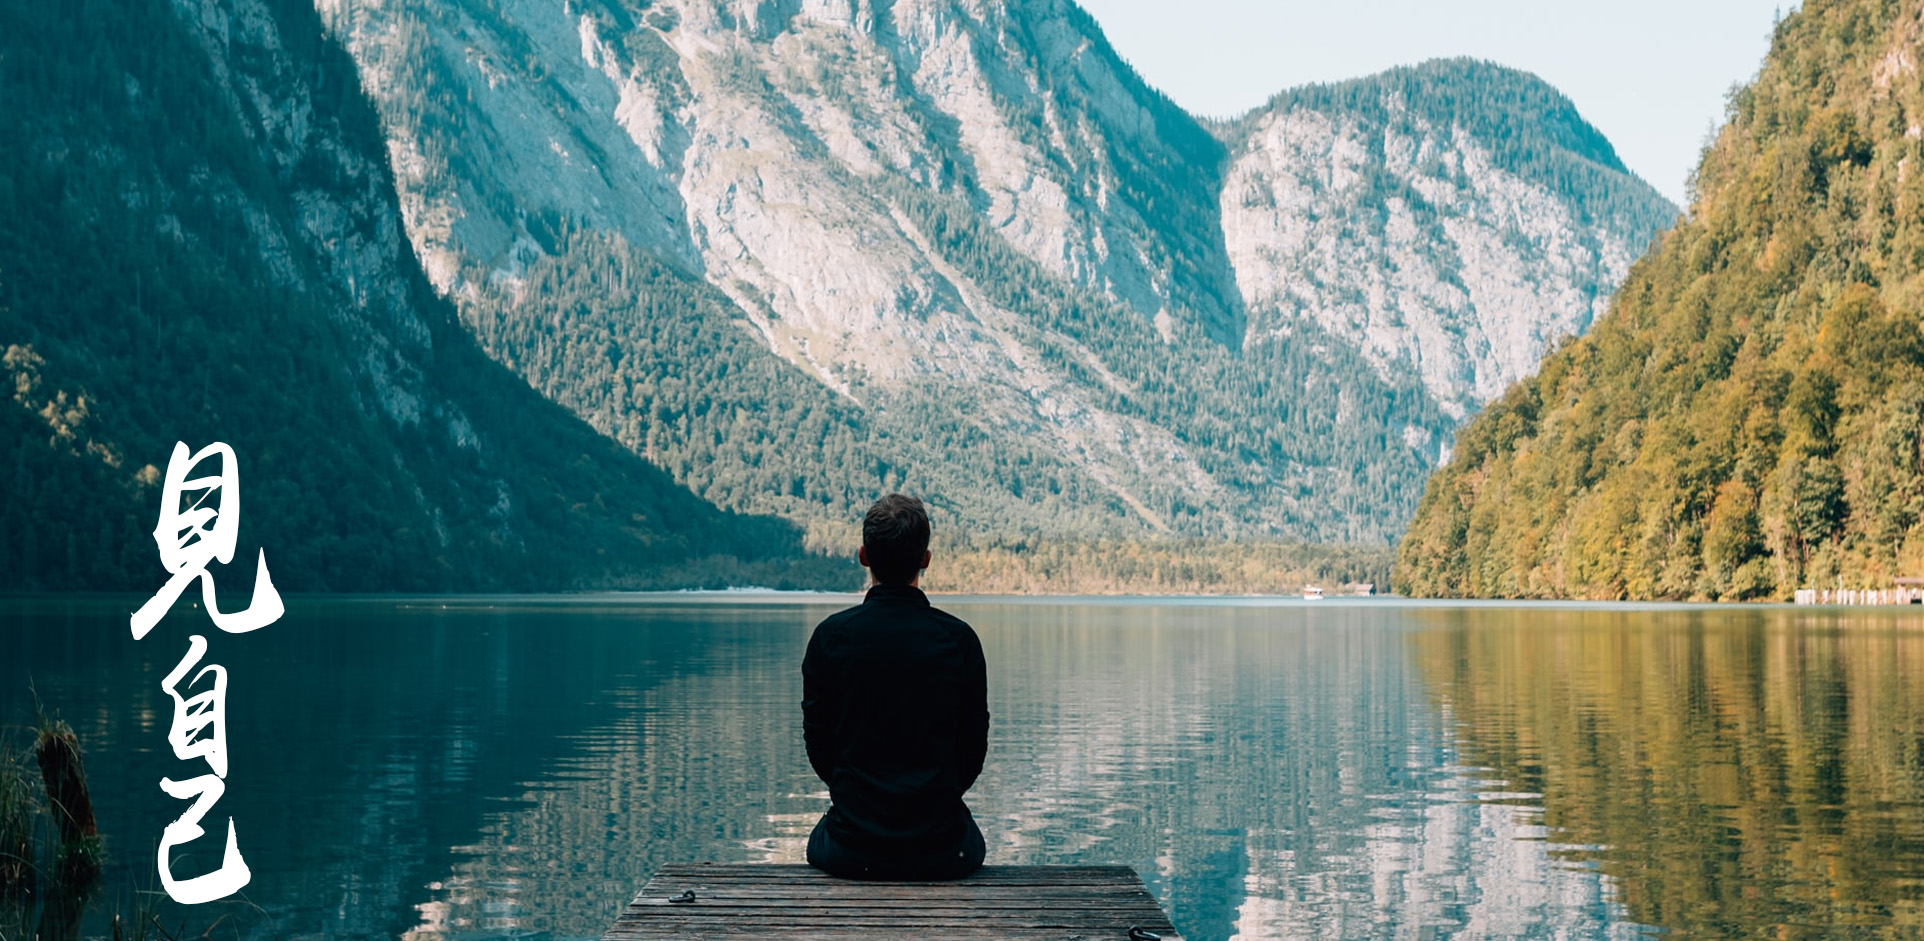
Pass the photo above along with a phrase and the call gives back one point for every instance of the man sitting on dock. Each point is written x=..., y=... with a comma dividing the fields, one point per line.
x=895, y=715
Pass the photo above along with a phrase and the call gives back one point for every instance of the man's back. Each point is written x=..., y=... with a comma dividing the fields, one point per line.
x=895, y=717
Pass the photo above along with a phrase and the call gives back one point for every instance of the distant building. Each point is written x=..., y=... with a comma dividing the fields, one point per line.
x=1908, y=591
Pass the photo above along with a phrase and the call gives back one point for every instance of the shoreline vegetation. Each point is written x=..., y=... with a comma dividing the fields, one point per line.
x=1747, y=420
x=1114, y=567
x=51, y=850
x=1029, y=566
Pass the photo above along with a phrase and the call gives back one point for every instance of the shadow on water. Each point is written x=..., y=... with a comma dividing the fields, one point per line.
x=370, y=742
x=1739, y=773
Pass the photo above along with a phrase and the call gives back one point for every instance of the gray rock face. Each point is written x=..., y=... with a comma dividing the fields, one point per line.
x=1405, y=236
x=762, y=146
x=203, y=199
x=342, y=219
x=740, y=141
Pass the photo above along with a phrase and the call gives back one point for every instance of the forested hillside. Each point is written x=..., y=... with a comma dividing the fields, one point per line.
x=1552, y=145
x=664, y=292
x=990, y=264
x=199, y=240
x=1747, y=419
x=1448, y=221
x=654, y=360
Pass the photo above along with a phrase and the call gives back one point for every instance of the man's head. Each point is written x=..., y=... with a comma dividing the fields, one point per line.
x=895, y=540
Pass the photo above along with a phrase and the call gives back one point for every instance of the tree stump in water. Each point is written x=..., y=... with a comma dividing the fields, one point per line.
x=73, y=811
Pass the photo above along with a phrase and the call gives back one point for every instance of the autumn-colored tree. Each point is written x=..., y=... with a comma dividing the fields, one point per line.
x=1745, y=420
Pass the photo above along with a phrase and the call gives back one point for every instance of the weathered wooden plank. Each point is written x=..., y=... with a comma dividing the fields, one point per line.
x=985, y=904
x=939, y=911
x=859, y=889
x=1027, y=903
x=871, y=890
x=759, y=907
x=874, y=934
x=957, y=933
x=804, y=871
x=1034, y=920
x=801, y=874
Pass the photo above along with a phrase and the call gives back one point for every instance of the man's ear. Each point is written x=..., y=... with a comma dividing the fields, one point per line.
x=861, y=555
x=926, y=556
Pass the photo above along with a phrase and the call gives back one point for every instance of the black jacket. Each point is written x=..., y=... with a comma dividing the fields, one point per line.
x=895, y=715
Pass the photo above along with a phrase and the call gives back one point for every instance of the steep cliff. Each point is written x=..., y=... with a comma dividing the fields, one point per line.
x=990, y=262
x=1450, y=221
x=200, y=240
x=1747, y=419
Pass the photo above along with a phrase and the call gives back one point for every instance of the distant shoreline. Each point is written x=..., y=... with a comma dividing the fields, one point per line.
x=780, y=597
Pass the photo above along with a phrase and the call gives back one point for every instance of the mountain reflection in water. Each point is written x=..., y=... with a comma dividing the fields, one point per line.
x=1738, y=773
x=483, y=768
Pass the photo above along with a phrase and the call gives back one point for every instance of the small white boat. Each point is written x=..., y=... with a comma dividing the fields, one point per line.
x=1312, y=593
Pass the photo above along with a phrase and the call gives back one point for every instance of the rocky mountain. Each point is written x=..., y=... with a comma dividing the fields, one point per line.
x=200, y=240
x=530, y=294
x=1451, y=220
x=799, y=252
x=1748, y=417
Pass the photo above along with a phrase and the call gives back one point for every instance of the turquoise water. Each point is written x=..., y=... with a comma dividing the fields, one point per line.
x=481, y=768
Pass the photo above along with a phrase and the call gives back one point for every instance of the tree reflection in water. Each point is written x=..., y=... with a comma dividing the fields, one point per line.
x=1739, y=772
x=492, y=768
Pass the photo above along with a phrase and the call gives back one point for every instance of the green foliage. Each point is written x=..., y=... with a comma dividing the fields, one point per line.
x=1745, y=421
x=1529, y=128
x=1094, y=567
x=16, y=824
x=159, y=281
x=1256, y=417
x=155, y=286
x=1167, y=166
x=135, y=320
x=1305, y=437
x=662, y=363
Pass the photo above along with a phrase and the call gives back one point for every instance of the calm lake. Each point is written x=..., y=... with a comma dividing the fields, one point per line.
x=482, y=768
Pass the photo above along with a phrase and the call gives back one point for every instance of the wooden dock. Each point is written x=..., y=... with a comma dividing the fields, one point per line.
x=1017, y=903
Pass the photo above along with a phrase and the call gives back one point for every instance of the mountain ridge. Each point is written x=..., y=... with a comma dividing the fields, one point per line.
x=752, y=262
x=1745, y=421
x=1404, y=212
x=1432, y=85
x=808, y=146
x=200, y=242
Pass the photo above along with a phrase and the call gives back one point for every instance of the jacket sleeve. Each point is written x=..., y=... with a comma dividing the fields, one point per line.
x=816, y=731
x=973, y=722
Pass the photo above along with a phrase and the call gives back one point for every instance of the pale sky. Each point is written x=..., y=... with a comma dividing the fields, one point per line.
x=1650, y=74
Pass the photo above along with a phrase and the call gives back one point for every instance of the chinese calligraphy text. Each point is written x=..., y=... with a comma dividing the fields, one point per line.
x=191, y=537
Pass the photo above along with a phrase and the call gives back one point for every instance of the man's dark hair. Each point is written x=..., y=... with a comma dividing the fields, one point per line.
x=895, y=533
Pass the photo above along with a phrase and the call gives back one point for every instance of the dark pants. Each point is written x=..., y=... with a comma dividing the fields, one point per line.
x=830, y=856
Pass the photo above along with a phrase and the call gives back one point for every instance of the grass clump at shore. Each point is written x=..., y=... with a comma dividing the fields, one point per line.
x=16, y=824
